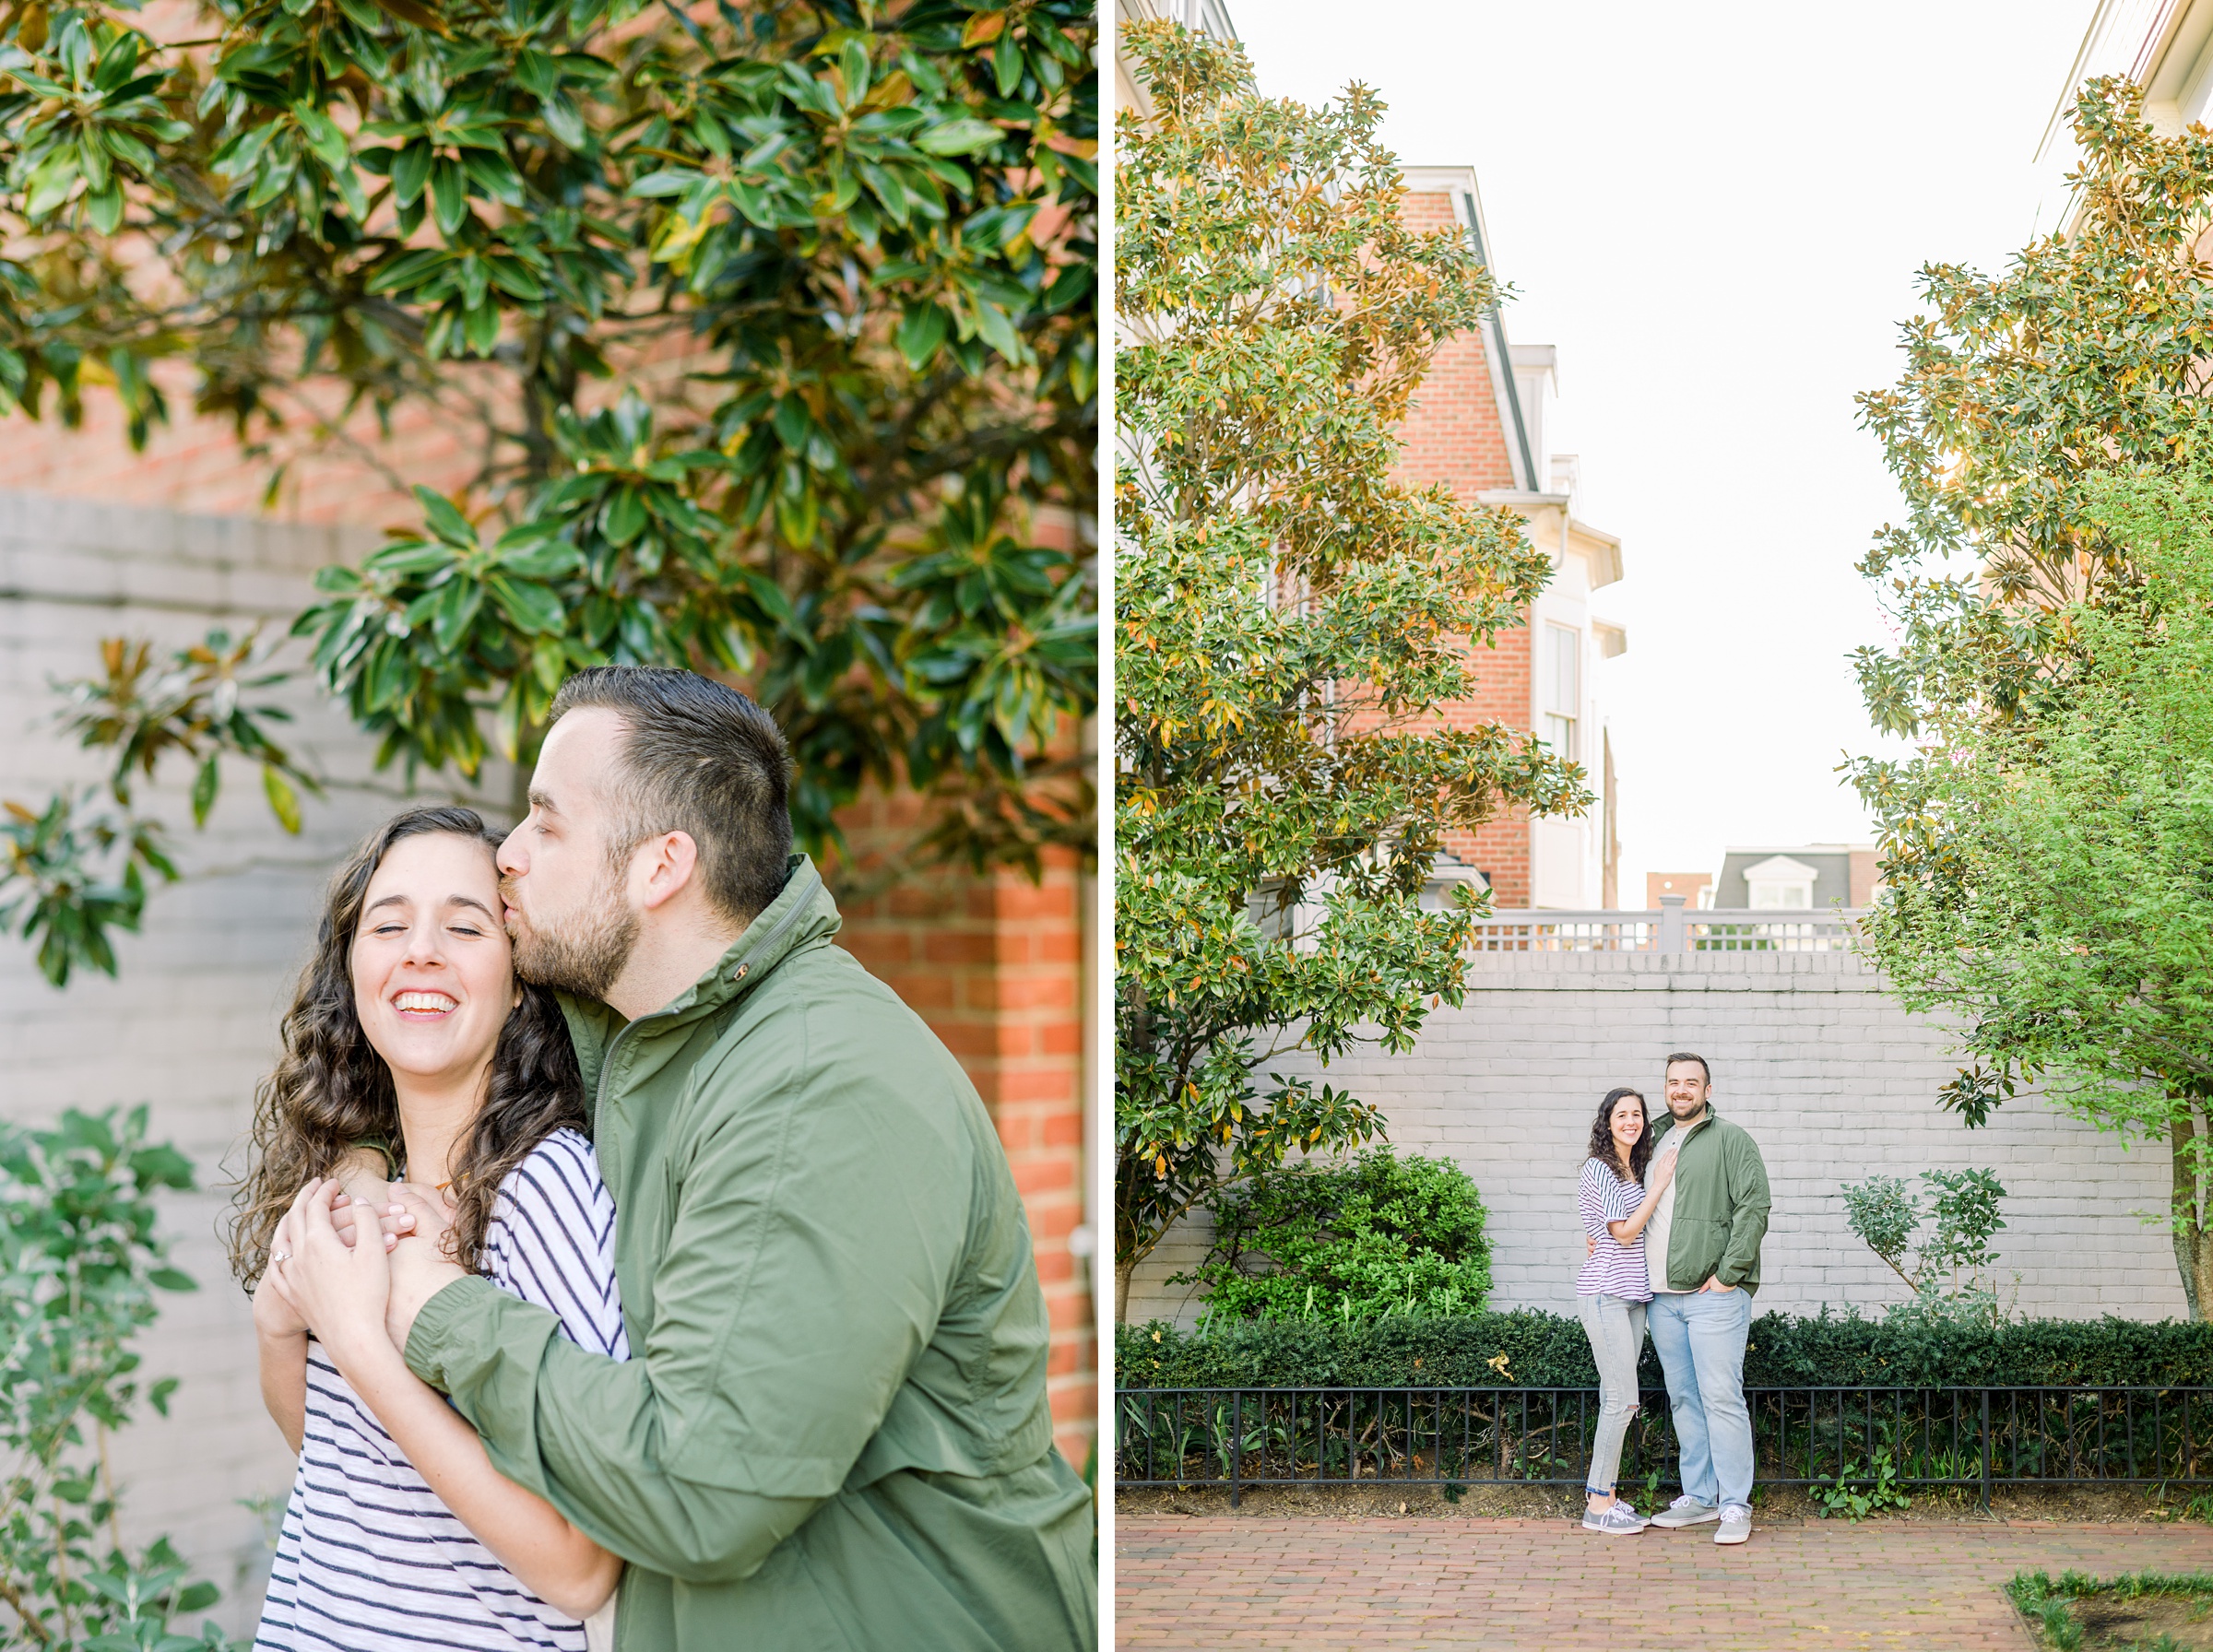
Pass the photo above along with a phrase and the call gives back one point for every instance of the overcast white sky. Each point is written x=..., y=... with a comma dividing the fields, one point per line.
x=1715, y=212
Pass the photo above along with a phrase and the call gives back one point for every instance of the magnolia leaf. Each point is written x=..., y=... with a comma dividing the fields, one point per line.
x=284, y=803
x=963, y=137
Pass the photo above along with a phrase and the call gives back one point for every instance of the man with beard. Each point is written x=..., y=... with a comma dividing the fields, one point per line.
x=833, y=1431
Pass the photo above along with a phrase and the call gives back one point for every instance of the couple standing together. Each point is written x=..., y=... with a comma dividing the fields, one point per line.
x=1673, y=1216
x=630, y=1267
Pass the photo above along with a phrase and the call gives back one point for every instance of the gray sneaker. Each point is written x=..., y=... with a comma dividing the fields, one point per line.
x=1687, y=1511
x=1617, y=1520
x=1736, y=1524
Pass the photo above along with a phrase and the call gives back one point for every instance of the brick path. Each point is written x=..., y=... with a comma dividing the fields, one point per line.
x=1318, y=1585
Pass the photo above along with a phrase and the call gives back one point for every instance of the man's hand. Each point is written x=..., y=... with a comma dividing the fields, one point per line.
x=1715, y=1284
x=419, y=1271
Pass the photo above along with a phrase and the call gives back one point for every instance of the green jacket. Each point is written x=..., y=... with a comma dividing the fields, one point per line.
x=1720, y=1206
x=833, y=1430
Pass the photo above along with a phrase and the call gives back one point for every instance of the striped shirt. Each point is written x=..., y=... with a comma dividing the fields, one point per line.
x=1615, y=1268
x=369, y=1559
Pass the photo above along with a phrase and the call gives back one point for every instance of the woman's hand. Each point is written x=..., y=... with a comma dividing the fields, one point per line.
x=273, y=1316
x=338, y=1290
x=1662, y=1173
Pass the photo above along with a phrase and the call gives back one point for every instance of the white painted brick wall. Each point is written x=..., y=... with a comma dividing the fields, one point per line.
x=190, y=1024
x=1835, y=1082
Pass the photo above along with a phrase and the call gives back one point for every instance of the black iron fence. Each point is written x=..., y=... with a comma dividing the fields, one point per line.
x=1974, y=1438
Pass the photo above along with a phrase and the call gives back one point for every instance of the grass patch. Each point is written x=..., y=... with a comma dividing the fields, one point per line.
x=2143, y=1612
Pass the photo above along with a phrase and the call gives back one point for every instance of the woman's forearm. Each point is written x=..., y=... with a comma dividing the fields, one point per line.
x=526, y=1533
x=1626, y=1230
x=284, y=1383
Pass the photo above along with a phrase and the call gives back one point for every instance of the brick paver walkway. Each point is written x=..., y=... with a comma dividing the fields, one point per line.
x=1318, y=1585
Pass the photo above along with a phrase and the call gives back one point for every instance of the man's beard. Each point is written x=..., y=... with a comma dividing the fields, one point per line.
x=584, y=955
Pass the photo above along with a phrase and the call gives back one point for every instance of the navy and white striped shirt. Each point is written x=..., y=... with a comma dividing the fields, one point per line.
x=1615, y=1268
x=369, y=1559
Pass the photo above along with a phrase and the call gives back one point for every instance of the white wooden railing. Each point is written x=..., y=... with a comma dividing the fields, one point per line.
x=1670, y=929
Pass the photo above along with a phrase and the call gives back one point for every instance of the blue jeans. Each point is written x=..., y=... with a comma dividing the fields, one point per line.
x=1701, y=1341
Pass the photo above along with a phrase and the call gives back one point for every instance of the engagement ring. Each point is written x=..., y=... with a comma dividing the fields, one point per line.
x=281, y=1255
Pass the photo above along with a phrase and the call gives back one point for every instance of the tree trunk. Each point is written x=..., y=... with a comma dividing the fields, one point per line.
x=1122, y=1270
x=2192, y=1242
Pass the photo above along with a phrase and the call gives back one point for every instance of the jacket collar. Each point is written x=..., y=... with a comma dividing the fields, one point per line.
x=1667, y=1120
x=804, y=912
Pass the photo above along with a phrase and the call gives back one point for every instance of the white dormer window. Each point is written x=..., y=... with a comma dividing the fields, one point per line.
x=1779, y=884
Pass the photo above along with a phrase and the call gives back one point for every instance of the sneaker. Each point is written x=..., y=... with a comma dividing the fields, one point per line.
x=1617, y=1520
x=1736, y=1524
x=1687, y=1511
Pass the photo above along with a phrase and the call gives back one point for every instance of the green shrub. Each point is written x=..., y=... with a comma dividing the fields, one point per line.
x=1346, y=1240
x=79, y=1264
x=1531, y=1349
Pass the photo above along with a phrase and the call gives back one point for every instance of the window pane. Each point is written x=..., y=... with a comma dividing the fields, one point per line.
x=1563, y=680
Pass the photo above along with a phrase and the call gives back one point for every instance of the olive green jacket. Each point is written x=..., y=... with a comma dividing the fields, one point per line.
x=1720, y=1206
x=832, y=1432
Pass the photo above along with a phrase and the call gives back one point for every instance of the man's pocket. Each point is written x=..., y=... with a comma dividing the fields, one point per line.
x=1702, y=1244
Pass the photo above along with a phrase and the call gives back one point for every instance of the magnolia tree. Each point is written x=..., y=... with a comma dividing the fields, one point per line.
x=2044, y=850
x=1289, y=620
x=769, y=332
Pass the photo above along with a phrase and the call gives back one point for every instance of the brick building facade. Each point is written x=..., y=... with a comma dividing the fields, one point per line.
x=96, y=541
x=1478, y=427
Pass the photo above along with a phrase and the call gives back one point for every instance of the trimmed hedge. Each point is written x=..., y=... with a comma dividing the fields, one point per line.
x=1529, y=1348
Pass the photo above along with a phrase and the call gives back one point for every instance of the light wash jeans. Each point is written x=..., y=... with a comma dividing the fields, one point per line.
x=1616, y=1328
x=1700, y=1338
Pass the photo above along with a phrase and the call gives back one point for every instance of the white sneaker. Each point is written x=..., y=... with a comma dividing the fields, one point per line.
x=1617, y=1520
x=1687, y=1511
x=1736, y=1524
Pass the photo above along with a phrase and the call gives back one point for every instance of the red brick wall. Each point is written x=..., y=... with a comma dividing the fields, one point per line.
x=1453, y=435
x=993, y=965
x=996, y=966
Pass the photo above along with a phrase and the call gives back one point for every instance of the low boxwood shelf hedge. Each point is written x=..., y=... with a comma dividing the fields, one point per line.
x=1531, y=1349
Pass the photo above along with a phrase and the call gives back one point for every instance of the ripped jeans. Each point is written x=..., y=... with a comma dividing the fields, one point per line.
x=1615, y=1327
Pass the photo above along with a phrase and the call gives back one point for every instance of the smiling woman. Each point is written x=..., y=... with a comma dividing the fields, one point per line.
x=333, y=1090
x=410, y=1030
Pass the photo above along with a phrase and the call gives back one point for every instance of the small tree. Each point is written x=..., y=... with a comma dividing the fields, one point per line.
x=1290, y=619
x=2024, y=618
x=2072, y=921
x=767, y=331
x=1357, y=1239
x=1963, y=1211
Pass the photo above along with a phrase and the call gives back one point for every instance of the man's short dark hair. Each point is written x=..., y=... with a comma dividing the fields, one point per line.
x=1686, y=1056
x=700, y=759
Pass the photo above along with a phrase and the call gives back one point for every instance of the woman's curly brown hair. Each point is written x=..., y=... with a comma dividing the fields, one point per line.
x=1603, y=1146
x=332, y=1093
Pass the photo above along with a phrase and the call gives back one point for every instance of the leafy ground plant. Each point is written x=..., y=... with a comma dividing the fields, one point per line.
x=79, y=1264
x=1858, y=1491
x=2142, y=1612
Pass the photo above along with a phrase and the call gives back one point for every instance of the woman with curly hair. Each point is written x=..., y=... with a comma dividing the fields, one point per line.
x=1612, y=1290
x=410, y=1032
